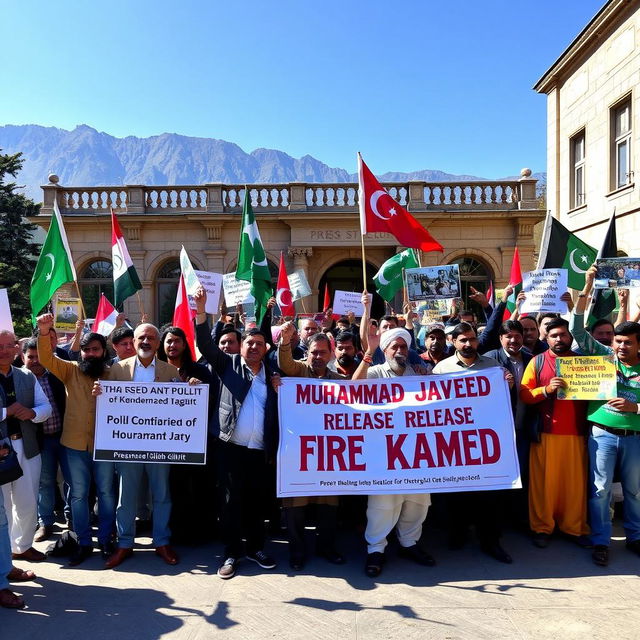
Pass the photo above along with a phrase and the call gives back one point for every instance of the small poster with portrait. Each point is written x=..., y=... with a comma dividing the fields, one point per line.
x=617, y=273
x=433, y=283
x=67, y=313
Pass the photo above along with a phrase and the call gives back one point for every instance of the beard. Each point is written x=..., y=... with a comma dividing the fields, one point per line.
x=92, y=367
x=346, y=360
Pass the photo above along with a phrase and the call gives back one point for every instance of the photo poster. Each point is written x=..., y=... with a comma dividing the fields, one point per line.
x=617, y=273
x=430, y=311
x=433, y=283
x=236, y=291
x=349, y=301
x=6, y=322
x=299, y=285
x=67, y=313
x=587, y=377
x=543, y=289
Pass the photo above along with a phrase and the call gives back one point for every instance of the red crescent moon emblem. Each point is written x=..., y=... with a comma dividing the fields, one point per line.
x=284, y=298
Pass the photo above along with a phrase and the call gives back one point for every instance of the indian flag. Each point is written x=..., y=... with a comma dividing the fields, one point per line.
x=125, y=277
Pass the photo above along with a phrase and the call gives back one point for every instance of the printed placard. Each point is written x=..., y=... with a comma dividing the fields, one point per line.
x=298, y=285
x=212, y=284
x=347, y=301
x=543, y=288
x=413, y=434
x=588, y=378
x=67, y=313
x=236, y=291
x=162, y=422
x=617, y=273
x=432, y=283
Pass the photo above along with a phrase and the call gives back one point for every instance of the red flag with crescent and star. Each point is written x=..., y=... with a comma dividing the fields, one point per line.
x=283, y=292
x=379, y=212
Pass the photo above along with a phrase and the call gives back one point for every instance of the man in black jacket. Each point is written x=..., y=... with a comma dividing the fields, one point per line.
x=248, y=440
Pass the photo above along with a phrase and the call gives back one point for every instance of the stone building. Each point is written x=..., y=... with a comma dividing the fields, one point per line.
x=593, y=128
x=316, y=226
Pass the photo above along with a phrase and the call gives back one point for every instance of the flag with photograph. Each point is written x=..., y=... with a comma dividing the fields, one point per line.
x=183, y=316
x=125, y=276
x=252, y=260
x=106, y=316
x=561, y=249
x=515, y=281
x=389, y=279
x=603, y=301
x=379, y=212
x=54, y=267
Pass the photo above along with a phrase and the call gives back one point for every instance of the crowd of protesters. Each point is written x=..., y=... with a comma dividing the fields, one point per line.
x=570, y=452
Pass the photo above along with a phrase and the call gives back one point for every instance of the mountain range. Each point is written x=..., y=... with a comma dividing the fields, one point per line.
x=87, y=157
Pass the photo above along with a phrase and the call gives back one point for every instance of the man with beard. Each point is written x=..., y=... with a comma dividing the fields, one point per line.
x=22, y=405
x=482, y=508
x=406, y=512
x=143, y=367
x=345, y=362
x=558, y=462
x=614, y=443
x=315, y=366
x=78, y=429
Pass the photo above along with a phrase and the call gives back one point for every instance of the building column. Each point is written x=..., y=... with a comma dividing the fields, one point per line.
x=301, y=257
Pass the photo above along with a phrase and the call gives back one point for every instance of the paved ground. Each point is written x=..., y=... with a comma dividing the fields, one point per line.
x=552, y=593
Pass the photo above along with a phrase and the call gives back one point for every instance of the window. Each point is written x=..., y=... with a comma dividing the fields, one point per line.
x=166, y=290
x=96, y=278
x=473, y=273
x=621, y=139
x=577, y=170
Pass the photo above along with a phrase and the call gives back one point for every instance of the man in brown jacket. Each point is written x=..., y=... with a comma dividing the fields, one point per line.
x=319, y=354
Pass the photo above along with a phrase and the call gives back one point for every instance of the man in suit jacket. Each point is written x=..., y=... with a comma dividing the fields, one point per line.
x=143, y=367
x=22, y=405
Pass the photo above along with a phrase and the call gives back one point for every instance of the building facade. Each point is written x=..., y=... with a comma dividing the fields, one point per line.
x=593, y=101
x=316, y=226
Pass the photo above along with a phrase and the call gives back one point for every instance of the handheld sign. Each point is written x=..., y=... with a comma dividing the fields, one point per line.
x=236, y=291
x=346, y=301
x=299, y=285
x=432, y=283
x=587, y=377
x=67, y=313
x=5, y=311
x=617, y=273
x=543, y=289
x=212, y=284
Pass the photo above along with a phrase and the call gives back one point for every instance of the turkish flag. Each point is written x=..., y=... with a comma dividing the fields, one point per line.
x=380, y=212
x=283, y=292
x=183, y=316
x=327, y=299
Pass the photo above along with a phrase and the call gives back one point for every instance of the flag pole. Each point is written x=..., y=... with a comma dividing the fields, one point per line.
x=84, y=313
x=361, y=207
x=304, y=308
x=140, y=305
x=364, y=263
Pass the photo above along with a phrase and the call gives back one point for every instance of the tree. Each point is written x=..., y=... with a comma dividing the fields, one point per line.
x=18, y=253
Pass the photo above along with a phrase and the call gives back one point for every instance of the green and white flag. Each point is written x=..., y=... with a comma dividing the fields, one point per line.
x=55, y=265
x=388, y=280
x=252, y=260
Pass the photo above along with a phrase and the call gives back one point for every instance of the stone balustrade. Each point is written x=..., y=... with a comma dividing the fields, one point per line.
x=294, y=196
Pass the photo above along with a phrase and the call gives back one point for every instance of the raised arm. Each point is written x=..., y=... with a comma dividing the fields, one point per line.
x=61, y=369
x=286, y=363
x=364, y=321
x=208, y=348
x=623, y=311
x=373, y=340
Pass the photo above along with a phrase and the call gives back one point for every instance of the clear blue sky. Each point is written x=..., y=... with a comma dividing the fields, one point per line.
x=420, y=84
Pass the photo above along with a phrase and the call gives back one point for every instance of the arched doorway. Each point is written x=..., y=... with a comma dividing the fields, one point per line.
x=347, y=276
x=95, y=278
x=476, y=274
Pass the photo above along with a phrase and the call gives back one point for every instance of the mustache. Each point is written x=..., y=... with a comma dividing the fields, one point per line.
x=92, y=367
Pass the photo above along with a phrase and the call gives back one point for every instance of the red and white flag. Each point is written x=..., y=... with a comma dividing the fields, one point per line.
x=106, y=315
x=327, y=298
x=183, y=316
x=283, y=291
x=379, y=212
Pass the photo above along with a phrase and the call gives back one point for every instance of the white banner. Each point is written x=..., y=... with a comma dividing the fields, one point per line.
x=5, y=311
x=152, y=422
x=212, y=284
x=236, y=291
x=414, y=434
x=299, y=285
x=345, y=301
x=543, y=289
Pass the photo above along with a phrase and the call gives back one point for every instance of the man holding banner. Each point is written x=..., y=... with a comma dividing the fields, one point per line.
x=406, y=512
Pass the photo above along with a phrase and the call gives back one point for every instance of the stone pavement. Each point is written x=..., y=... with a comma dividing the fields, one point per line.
x=551, y=593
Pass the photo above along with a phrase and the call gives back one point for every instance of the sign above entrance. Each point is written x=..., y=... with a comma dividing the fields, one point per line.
x=323, y=236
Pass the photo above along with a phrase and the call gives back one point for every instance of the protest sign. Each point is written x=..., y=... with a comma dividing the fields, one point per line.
x=5, y=311
x=587, y=377
x=432, y=310
x=152, y=422
x=617, y=273
x=212, y=284
x=236, y=291
x=299, y=285
x=409, y=434
x=431, y=283
x=543, y=289
x=346, y=301
x=67, y=313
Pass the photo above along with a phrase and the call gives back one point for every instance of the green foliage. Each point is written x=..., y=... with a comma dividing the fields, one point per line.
x=18, y=253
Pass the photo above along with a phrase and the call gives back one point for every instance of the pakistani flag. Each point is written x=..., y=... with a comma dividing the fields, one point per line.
x=252, y=260
x=125, y=276
x=388, y=280
x=561, y=249
x=55, y=265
